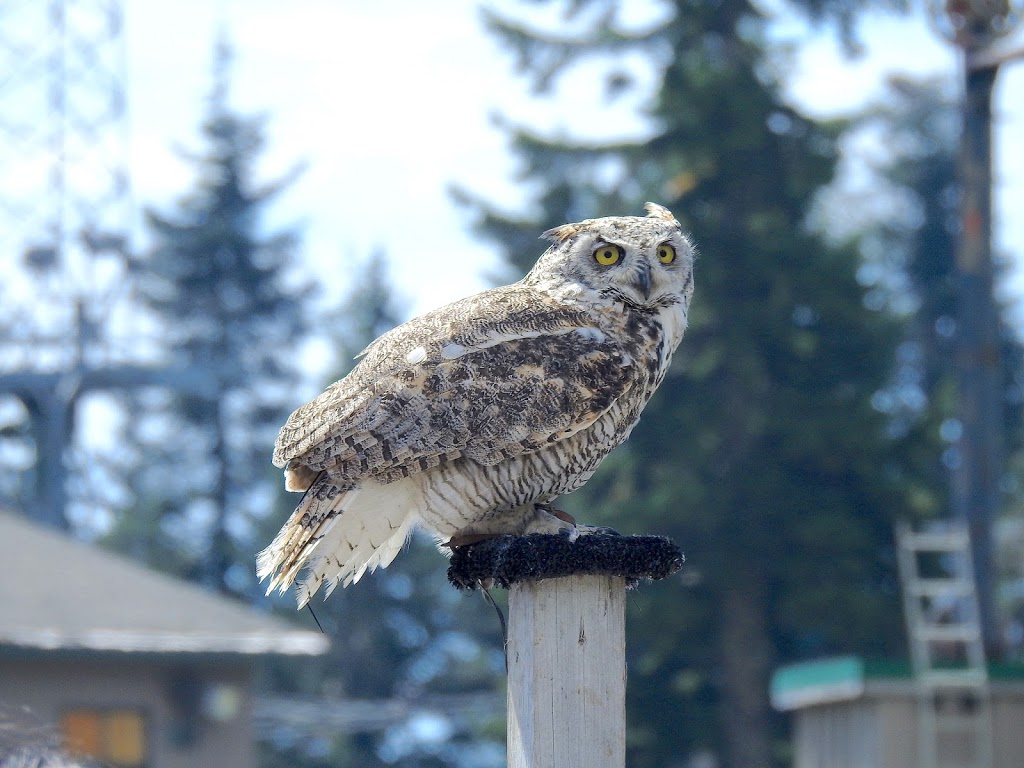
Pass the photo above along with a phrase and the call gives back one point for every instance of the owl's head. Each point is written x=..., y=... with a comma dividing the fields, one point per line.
x=645, y=262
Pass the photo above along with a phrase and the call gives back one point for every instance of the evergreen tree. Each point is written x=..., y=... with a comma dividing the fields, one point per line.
x=764, y=453
x=218, y=286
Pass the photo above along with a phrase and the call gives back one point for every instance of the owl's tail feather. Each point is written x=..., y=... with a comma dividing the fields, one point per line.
x=339, y=535
x=317, y=512
x=370, y=535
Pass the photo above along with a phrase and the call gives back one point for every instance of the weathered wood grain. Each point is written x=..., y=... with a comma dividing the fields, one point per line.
x=567, y=673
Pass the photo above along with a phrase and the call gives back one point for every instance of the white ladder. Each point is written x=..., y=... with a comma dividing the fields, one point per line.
x=940, y=603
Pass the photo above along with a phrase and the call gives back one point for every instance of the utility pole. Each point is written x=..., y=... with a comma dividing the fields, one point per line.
x=65, y=215
x=975, y=27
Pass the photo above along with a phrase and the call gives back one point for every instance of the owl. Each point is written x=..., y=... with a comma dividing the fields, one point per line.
x=470, y=420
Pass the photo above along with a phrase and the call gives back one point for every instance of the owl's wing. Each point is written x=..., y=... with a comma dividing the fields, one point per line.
x=441, y=387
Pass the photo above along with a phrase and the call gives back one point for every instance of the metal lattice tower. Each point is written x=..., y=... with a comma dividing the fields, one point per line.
x=65, y=206
x=65, y=215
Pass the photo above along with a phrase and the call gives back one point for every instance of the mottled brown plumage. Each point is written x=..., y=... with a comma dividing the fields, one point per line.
x=470, y=419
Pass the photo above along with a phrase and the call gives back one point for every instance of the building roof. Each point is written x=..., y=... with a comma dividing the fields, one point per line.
x=57, y=593
x=823, y=681
x=846, y=678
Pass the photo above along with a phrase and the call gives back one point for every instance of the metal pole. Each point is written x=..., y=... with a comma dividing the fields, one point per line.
x=977, y=28
x=976, y=479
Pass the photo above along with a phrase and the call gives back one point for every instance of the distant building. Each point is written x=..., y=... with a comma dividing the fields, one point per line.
x=125, y=665
x=850, y=712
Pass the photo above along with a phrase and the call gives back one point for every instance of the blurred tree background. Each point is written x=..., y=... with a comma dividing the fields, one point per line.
x=810, y=405
x=219, y=289
x=804, y=409
x=216, y=285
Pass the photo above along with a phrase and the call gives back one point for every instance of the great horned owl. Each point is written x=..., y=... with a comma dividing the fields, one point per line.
x=470, y=420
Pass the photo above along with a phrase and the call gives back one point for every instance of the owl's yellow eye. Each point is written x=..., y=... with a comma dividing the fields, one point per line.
x=666, y=253
x=606, y=255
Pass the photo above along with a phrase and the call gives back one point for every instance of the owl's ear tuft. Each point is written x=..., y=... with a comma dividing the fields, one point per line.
x=656, y=211
x=562, y=233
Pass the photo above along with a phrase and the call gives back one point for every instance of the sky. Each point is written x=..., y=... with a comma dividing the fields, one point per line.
x=391, y=103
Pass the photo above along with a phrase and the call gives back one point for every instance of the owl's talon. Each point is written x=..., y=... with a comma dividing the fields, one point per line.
x=565, y=517
x=590, y=530
x=464, y=540
x=570, y=533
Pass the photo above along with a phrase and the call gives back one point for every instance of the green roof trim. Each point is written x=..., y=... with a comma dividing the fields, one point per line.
x=844, y=678
x=817, y=682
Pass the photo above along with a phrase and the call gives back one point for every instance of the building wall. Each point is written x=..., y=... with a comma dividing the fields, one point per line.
x=897, y=704
x=195, y=715
x=897, y=721
x=879, y=729
x=1008, y=724
x=842, y=735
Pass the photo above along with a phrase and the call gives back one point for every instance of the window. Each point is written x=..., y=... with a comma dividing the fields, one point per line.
x=116, y=737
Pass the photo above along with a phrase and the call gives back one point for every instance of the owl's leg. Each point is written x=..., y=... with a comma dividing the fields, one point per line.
x=578, y=528
x=546, y=519
x=527, y=518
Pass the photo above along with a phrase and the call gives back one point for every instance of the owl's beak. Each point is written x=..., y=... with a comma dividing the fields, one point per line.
x=642, y=280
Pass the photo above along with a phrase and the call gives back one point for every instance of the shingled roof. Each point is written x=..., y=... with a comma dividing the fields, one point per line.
x=60, y=594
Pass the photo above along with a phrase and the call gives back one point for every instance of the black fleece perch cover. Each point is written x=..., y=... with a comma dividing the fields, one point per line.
x=506, y=560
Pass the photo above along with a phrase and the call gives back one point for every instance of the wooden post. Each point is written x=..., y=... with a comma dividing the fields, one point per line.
x=566, y=637
x=567, y=673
